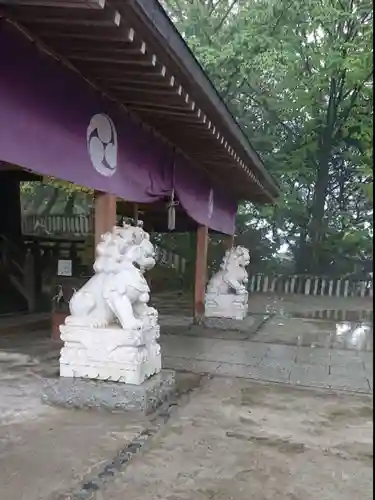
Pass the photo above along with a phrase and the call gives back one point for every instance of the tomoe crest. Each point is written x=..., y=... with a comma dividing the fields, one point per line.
x=102, y=144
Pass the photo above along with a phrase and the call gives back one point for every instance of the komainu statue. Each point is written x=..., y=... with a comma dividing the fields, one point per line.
x=111, y=333
x=226, y=295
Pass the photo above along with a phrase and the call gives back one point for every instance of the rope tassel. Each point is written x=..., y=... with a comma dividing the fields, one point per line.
x=172, y=212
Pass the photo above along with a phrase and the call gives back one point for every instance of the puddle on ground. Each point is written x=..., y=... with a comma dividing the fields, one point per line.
x=332, y=329
x=347, y=329
x=353, y=335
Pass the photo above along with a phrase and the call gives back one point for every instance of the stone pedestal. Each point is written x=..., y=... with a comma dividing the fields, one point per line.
x=110, y=396
x=231, y=306
x=111, y=354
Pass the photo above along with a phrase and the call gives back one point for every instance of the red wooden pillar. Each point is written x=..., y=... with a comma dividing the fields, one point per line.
x=200, y=273
x=105, y=214
x=105, y=219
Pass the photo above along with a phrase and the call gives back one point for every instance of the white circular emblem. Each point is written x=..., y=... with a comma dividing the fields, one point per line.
x=210, y=203
x=102, y=144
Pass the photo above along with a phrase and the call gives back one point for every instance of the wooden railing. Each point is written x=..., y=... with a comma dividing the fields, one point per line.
x=81, y=226
x=310, y=285
x=57, y=225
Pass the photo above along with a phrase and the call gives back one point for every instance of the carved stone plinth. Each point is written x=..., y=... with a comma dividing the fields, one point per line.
x=226, y=306
x=226, y=295
x=112, y=353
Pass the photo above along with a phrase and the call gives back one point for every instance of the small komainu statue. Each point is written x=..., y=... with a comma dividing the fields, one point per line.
x=111, y=333
x=226, y=295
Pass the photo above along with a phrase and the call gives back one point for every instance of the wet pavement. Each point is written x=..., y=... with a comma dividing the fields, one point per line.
x=302, y=330
x=251, y=431
x=333, y=369
x=292, y=344
x=238, y=440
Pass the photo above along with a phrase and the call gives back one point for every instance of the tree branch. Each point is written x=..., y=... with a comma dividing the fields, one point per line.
x=224, y=18
x=355, y=93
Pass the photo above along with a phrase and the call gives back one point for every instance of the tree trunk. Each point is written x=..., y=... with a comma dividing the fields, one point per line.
x=316, y=226
x=51, y=201
x=301, y=253
x=69, y=207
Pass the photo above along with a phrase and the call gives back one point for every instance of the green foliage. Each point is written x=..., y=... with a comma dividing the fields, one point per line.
x=54, y=197
x=297, y=75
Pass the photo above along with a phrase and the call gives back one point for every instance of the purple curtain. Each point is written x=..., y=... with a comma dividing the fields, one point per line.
x=53, y=123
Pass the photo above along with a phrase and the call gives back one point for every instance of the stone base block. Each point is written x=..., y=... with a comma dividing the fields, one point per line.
x=229, y=324
x=115, y=336
x=217, y=312
x=229, y=306
x=110, y=396
x=234, y=311
x=112, y=353
x=126, y=373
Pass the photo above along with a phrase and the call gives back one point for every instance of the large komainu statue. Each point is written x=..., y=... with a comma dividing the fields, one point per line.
x=226, y=295
x=111, y=332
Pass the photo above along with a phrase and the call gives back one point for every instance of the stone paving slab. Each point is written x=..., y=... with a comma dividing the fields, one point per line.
x=310, y=367
x=276, y=351
x=215, y=328
x=283, y=348
x=313, y=356
x=190, y=365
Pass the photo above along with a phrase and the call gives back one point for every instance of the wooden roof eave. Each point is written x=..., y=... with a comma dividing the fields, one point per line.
x=98, y=41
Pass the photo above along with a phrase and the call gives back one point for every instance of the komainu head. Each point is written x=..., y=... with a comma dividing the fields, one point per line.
x=236, y=256
x=123, y=247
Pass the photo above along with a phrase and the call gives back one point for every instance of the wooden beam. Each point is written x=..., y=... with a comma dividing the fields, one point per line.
x=132, y=61
x=125, y=52
x=105, y=214
x=63, y=12
x=200, y=273
x=153, y=92
x=144, y=109
x=72, y=4
x=142, y=77
x=72, y=32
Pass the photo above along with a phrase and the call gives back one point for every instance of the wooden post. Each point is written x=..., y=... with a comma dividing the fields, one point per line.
x=228, y=241
x=136, y=214
x=105, y=214
x=200, y=273
x=29, y=281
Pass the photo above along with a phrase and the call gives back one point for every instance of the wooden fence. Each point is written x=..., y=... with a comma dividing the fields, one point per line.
x=81, y=226
x=339, y=315
x=170, y=259
x=57, y=225
x=310, y=285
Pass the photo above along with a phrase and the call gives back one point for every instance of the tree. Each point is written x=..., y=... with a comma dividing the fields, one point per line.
x=297, y=75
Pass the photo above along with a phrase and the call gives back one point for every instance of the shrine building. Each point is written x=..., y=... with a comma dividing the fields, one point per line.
x=106, y=94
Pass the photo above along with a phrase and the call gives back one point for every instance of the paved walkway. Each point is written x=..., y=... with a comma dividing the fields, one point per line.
x=238, y=440
x=238, y=437
x=308, y=352
x=305, y=366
